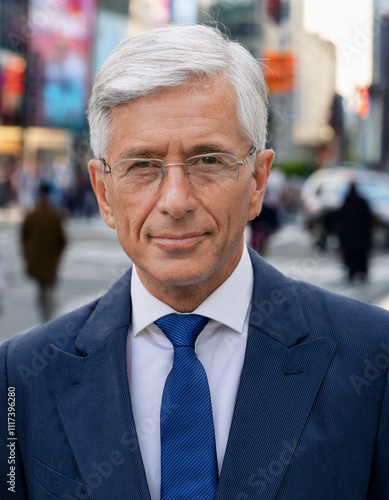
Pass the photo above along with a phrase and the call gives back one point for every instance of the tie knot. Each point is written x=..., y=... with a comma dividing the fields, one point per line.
x=182, y=329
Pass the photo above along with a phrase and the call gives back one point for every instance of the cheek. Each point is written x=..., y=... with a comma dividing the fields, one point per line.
x=231, y=214
x=129, y=216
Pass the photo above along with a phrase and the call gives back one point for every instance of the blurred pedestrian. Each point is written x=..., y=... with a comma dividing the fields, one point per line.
x=43, y=241
x=354, y=224
x=262, y=227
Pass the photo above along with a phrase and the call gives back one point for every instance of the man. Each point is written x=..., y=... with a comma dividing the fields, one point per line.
x=43, y=241
x=283, y=395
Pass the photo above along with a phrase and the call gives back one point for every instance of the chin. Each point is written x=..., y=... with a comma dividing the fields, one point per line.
x=179, y=278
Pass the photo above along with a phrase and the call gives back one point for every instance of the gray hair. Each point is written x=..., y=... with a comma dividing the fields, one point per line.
x=171, y=56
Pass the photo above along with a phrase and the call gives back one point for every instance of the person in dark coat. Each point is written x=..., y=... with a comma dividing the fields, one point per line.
x=262, y=227
x=43, y=242
x=355, y=233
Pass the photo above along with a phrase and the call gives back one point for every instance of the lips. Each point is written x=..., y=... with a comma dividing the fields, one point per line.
x=178, y=241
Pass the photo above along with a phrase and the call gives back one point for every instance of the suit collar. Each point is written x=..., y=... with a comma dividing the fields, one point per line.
x=276, y=309
x=113, y=311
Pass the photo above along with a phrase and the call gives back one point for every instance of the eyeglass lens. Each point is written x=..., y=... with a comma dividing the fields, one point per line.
x=142, y=173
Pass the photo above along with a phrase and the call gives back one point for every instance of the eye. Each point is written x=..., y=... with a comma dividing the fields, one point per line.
x=134, y=167
x=210, y=160
x=142, y=164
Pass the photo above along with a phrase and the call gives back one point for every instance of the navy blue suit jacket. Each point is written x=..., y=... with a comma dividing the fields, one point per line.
x=311, y=420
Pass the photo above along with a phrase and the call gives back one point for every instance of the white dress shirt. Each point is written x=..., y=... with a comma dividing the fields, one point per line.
x=220, y=347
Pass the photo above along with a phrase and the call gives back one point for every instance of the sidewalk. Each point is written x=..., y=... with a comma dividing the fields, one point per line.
x=11, y=215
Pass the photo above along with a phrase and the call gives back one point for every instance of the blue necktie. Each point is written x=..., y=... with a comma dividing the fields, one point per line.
x=188, y=451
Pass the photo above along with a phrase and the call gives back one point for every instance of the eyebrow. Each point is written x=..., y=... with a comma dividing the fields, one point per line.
x=209, y=148
x=136, y=153
x=143, y=152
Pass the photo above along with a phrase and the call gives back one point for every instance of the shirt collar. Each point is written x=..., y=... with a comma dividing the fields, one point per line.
x=227, y=305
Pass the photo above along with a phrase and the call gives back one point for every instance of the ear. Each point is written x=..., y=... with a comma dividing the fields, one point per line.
x=263, y=164
x=101, y=192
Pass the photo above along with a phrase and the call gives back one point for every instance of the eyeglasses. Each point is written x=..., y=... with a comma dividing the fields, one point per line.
x=219, y=169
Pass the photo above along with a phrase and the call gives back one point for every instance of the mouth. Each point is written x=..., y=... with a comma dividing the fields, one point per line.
x=179, y=241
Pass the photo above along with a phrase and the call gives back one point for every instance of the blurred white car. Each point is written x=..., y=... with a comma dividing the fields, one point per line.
x=324, y=191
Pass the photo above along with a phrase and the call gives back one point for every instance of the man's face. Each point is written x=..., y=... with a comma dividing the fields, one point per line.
x=180, y=235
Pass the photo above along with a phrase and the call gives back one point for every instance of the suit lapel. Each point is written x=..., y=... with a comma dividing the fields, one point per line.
x=93, y=401
x=280, y=380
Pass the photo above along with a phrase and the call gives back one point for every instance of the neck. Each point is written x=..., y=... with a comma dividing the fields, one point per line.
x=183, y=299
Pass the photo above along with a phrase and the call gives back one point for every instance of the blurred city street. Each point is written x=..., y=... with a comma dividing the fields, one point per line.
x=327, y=70
x=93, y=260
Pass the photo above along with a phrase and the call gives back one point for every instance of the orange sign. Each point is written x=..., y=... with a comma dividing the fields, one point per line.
x=363, y=102
x=279, y=70
x=12, y=73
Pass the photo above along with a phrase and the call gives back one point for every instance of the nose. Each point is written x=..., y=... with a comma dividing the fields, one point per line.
x=176, y=192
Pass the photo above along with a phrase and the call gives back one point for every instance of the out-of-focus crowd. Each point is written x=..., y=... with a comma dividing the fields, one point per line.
x=70, y=189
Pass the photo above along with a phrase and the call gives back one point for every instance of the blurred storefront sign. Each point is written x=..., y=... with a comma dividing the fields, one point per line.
x=59, y=62
x=363, y=102
x=32, y=142
x=279, y=71
x=12, y=73
x=11, y=139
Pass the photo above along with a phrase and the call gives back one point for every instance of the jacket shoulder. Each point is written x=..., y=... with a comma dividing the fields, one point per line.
x=342, y=317
x=60, y=332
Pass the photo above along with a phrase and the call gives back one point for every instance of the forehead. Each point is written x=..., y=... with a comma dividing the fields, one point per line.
x=182, y=118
